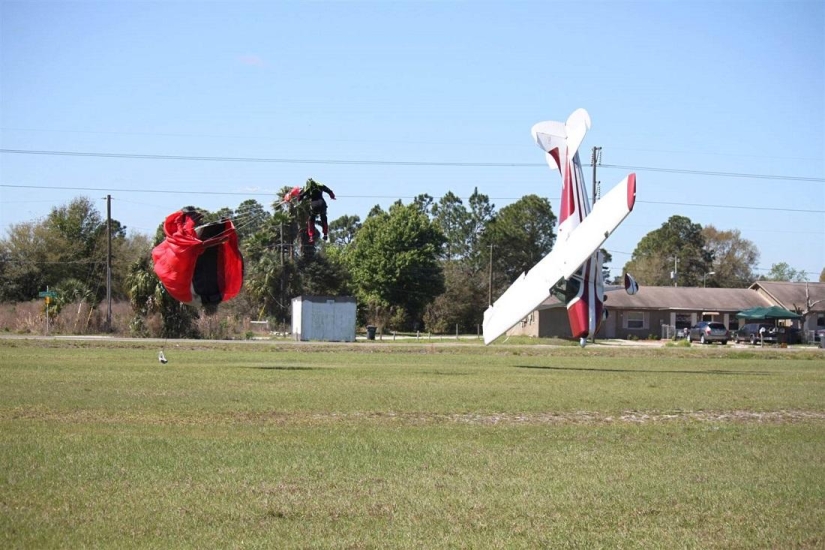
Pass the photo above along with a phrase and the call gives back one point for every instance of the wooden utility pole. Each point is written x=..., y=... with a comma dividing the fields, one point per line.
x=490, y=292
x=109, y=262
x=593, y=160
x=675, y=273
x=281, y=294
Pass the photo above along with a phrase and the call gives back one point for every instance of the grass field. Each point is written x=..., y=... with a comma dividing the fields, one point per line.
x=423, y=445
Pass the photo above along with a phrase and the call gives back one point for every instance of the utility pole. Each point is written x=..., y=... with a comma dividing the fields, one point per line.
x=675, y=272
x=597, y=152
x=490, y=292
x=281, y=296
x=109, y=262
x=281, y=248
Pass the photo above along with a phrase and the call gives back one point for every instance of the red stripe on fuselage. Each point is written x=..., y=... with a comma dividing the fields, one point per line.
x=579, y=197
x=579, y=308
x=568, y=201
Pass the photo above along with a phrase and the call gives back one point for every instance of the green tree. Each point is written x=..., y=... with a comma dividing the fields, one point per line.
x=76, y=239
x=424, y=202
x=454, y=220
x=147, y=296
x=222, y=213
x=678, y=245
x=323, y=275
x=521, y=234
x=822, y=275
x=607, y=258
x=394, y=264
x=250, y=217
x=784, y=272
x=481, y=214
x=462, y=303
x=734, y=258
x=70, y=243
x=466, y=268
x=25, y=262
x=342, y=230
x=375, y=211
x=270, y=271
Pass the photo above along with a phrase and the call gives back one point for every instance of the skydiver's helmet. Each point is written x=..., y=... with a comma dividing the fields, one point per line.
x=192, y=213
x=311, y=185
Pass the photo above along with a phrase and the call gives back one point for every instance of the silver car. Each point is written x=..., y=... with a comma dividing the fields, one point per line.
x=708, y=332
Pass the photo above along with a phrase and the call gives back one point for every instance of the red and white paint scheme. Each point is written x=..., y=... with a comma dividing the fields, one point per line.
x=573, y=270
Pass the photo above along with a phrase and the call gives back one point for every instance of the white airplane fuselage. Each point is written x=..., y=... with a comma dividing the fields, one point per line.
x=584, y=291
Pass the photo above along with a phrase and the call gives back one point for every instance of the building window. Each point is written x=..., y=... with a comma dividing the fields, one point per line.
x=820, y=321
x=682, y=321
x=635, y=320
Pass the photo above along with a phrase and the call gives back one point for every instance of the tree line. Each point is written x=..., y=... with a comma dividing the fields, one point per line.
x=428, y=265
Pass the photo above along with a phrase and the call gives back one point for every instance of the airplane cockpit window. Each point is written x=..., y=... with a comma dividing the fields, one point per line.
x=572, y=288
x=558, y=291
x=565, y=291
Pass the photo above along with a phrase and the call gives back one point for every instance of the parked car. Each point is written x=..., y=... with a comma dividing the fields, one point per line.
x=708, y=332
x=792, y=336
x=752, y=332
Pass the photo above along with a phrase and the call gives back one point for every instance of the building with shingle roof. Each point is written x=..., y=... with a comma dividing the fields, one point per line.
x=658, y=311
x=794, y=297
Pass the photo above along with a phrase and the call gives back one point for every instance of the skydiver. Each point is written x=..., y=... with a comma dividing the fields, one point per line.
x=317, y=206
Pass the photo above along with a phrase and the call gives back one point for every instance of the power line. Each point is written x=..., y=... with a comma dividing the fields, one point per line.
x=631, y=254
x=384, y=141
x=735, y=207
x=711, y=173
x=164, y=191
x=52, y=262
x=247, y=194
x=274, y=160
x=401, y=163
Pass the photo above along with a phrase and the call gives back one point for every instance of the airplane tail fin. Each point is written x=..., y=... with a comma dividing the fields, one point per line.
x=551, y=135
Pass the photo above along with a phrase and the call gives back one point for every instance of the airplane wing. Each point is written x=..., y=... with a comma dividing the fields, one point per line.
x=533, y=287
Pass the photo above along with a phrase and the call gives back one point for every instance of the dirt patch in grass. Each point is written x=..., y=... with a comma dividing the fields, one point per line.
x=277, y=418
x=407, y=347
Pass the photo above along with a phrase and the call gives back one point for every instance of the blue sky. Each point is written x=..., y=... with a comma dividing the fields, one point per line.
x=731, y=87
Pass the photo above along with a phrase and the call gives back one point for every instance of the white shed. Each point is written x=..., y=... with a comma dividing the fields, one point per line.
x=324, y=318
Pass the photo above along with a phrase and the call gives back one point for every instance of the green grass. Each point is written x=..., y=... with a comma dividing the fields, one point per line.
x=284, y=445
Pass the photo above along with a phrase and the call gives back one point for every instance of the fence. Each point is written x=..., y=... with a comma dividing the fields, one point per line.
x=670, y=332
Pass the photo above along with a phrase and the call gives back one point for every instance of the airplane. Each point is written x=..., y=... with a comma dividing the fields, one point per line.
x=572, y=271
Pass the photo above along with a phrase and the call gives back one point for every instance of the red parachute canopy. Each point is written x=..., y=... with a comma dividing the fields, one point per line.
x=199, y=263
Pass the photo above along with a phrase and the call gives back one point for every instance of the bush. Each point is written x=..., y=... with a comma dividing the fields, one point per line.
x=678, y=344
